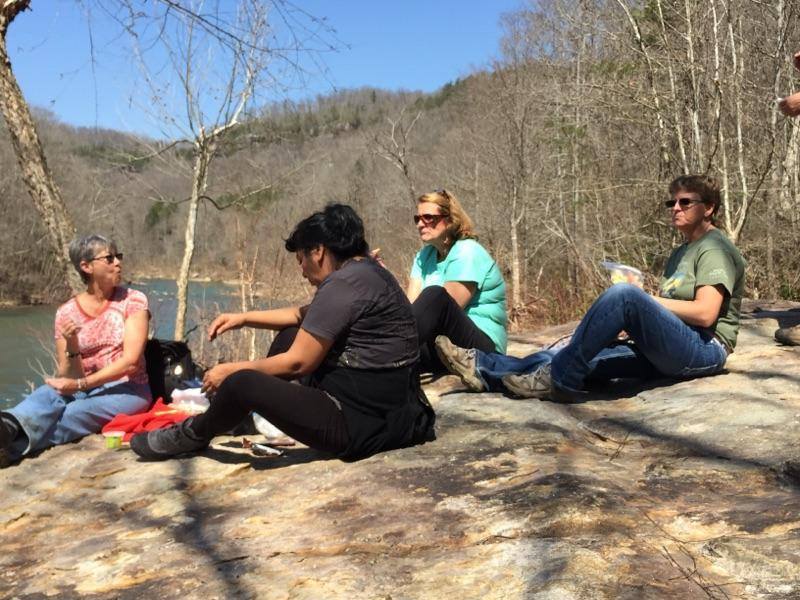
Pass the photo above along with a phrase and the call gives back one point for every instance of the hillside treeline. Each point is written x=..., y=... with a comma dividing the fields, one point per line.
x=561, y=149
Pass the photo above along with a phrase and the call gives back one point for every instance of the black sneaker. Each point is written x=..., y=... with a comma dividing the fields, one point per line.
x=7, y=434
x=789, y=336
x=168, y=442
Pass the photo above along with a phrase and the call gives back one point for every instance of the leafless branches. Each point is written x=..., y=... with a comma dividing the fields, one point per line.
x=395, y=146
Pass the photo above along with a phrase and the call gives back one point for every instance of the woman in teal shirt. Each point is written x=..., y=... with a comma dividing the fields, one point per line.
x=456, y=288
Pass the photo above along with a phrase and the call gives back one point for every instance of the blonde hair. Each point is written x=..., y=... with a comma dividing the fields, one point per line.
x=461, y=226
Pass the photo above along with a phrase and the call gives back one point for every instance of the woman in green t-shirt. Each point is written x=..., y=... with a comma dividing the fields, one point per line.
x=686, y=331
x=456, y=288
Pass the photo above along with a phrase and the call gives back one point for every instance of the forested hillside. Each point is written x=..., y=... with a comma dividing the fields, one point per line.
x=561, y=150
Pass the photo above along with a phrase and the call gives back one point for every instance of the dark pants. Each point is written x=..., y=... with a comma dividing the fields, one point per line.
x=307, y=414
x=437, y=313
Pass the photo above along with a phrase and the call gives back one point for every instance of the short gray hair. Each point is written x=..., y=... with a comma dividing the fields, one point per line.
x=85, y=249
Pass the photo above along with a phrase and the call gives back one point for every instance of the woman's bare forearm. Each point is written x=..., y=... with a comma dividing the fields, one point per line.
x=276, y=318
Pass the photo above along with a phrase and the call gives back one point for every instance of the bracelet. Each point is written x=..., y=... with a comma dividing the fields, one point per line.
x=72, y=354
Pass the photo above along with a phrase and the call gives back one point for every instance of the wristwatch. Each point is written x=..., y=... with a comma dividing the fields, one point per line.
x=72, y=354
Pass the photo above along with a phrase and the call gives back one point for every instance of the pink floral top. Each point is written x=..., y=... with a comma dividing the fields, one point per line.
x=100, y=338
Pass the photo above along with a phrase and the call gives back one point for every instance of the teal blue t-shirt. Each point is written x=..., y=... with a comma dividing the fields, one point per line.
x=469, y=261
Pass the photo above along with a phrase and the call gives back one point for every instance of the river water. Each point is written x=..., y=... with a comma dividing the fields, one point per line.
x=27, y=342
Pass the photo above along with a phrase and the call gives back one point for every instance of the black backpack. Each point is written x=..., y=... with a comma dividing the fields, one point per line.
x=168, y=363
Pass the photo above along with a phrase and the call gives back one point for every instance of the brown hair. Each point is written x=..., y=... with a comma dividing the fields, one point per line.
x=705, y=187
x=461, y=226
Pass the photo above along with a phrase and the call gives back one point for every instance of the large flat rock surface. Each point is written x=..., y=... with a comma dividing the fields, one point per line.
x=681, y=490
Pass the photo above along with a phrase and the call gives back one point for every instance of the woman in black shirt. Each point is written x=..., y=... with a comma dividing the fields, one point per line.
x=354, y=348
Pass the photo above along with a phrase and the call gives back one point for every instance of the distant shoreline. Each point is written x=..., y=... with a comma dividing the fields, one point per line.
x=11, y=303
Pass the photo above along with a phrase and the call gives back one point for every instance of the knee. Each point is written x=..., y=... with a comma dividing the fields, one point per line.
x=45, y=393
x=434, y=295
x=236, y=380
x=622, y=292
x=238, y=384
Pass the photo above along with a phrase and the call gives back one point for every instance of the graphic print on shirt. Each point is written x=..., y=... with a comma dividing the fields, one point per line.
x=675, y=281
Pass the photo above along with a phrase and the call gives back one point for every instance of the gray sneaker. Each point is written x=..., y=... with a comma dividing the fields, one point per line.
x=459, y=361
x=789, y=336
x=168, y=442
x=531, y=385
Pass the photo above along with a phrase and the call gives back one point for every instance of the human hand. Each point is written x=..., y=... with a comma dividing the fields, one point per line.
x=66, y=386
x=214, y=378
x=790, y=105
x=376, y=256
x=223, y=323
x=70, y=330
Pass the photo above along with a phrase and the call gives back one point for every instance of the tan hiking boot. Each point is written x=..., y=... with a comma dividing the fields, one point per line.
x=531, y=385
x=459, y=361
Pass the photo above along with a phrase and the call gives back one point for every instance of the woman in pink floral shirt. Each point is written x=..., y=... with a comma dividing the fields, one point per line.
x=100, y=336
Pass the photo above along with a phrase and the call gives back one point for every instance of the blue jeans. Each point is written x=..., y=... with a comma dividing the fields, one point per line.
x=47, y=418
x=660, y=345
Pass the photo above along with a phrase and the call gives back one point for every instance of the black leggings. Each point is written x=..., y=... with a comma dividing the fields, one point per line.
x=437, y=313
x=307, y=414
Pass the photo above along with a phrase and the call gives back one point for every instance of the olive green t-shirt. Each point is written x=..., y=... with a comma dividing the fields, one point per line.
x=710, y=260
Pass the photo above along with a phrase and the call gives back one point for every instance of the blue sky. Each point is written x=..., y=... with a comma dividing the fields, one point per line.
x=411, y=44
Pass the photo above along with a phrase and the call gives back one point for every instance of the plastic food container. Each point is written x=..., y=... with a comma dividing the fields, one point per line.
x=623, y=273
x=113, y=439
x=191, y=400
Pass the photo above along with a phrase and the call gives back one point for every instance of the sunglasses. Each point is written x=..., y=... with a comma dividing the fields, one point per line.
x=428, y=220
x=683, y=202
x=109, y=258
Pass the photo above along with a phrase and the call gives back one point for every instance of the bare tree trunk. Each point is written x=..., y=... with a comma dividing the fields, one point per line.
x=788, y=186
x=738, y=82
x=717, y=78
x=675, y=103
x=30, y=156
x=246, y=295
x=516, y=294
x=651, y=78
x=205, y=152
x=769, y=201
x=695, y=107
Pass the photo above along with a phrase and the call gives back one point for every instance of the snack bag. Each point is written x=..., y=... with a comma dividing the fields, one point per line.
x=623, y=273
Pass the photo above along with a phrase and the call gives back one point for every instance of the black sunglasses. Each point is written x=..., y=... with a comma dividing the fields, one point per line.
x=684, y=202
x=428, y=220
x=109, y=258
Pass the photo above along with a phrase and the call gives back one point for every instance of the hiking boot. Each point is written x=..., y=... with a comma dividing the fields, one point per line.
x=168, y=442
x=790, y=336
x=459, y=361
x=531, y=385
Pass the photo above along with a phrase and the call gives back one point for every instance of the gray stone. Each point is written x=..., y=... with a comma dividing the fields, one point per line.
x=670, y=490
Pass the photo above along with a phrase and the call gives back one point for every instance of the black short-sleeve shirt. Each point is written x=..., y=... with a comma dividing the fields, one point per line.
x=371, y=367
x=362, y=308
